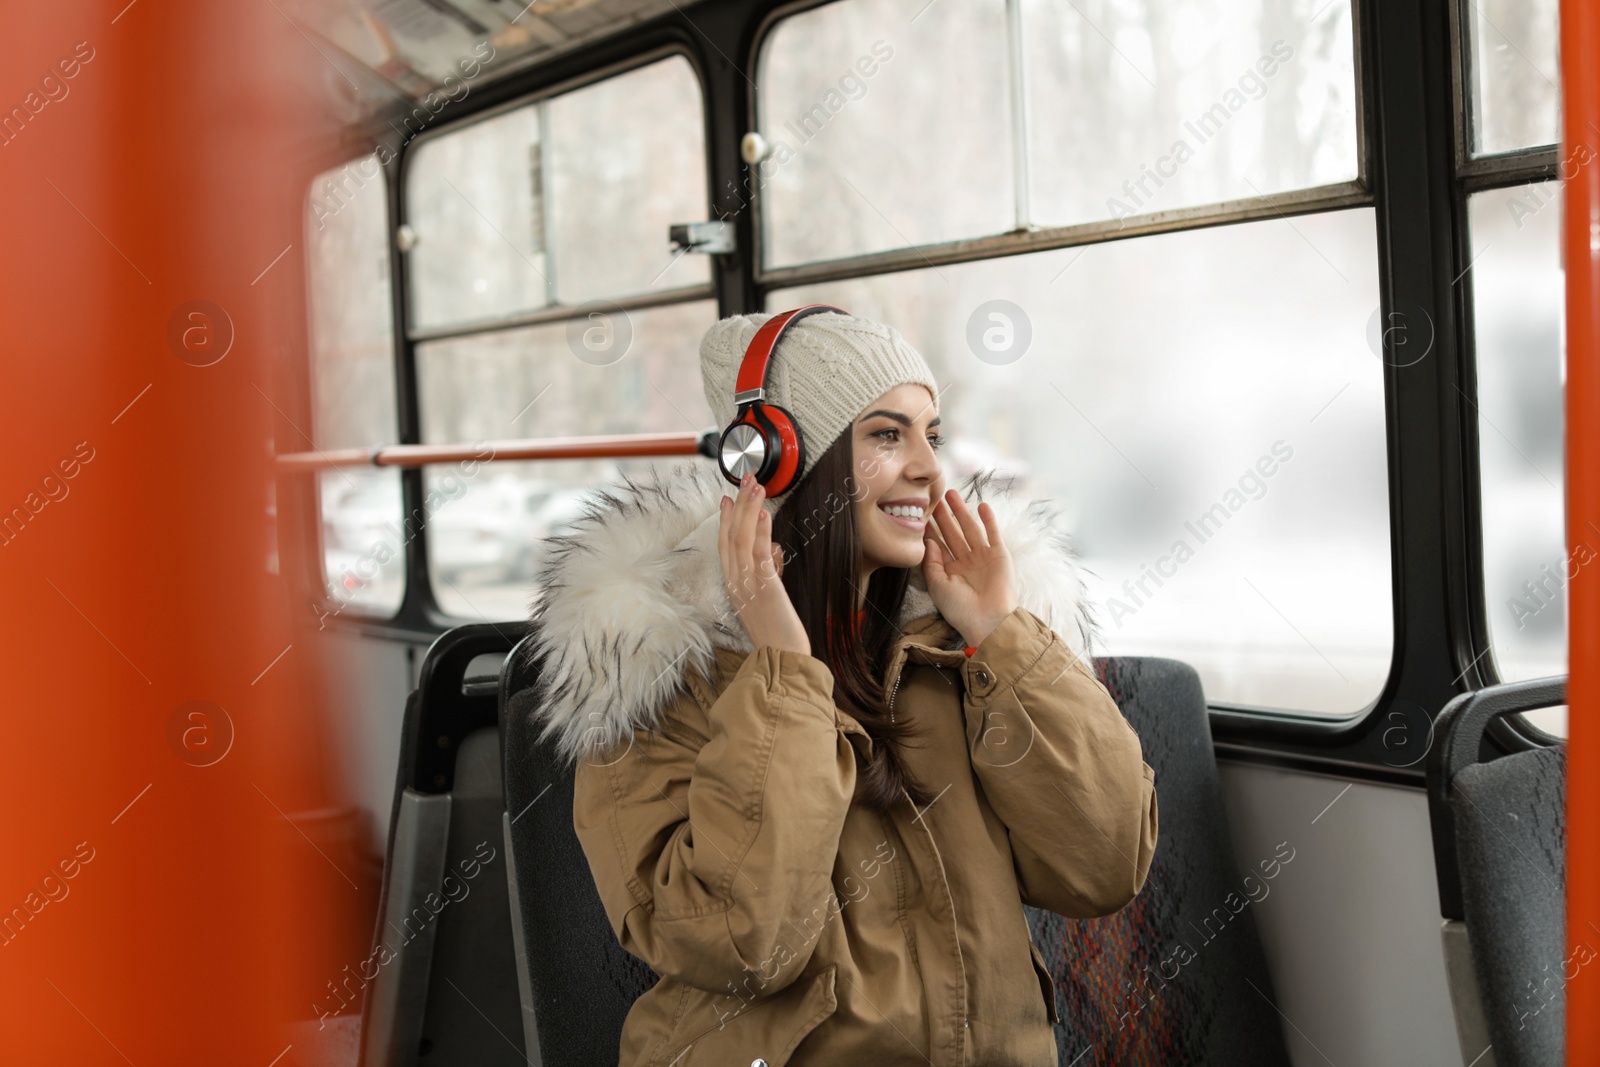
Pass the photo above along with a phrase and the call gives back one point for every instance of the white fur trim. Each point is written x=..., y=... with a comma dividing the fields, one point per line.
x=633, y=599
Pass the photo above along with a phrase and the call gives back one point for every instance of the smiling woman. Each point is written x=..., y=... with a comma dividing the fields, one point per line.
x=811, y=691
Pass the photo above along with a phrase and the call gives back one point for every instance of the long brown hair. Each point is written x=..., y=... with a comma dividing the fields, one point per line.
x=816, y=528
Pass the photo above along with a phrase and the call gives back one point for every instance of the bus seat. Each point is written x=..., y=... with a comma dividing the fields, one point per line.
x=579, y=983
x=1499, y=838
x=442, y=985
x=1168, y=978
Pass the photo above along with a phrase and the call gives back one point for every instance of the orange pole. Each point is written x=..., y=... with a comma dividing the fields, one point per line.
x=182, y=881
x=1580, y=67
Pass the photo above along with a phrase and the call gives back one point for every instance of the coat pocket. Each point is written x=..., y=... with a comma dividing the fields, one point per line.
x=768, y=1030
x=1047, y=982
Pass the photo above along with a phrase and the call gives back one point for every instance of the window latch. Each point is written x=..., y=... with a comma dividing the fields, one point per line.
x=714, y=238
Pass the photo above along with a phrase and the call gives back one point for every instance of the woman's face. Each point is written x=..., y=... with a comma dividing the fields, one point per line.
x=897, y=477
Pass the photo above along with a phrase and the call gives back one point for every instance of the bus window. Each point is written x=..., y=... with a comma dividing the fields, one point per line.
x=1205, y=407
x=1052, y=120
x=353, y=383
x=1514, y=74
x=627, y=160
x=1198, y=102
x=1517, y=284
x=475, y=202
x=559, y=202
x=896, y=120
x=484, y=538
x=553, y=207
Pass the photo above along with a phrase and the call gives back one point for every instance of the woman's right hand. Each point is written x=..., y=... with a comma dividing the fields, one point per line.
x=752, y=572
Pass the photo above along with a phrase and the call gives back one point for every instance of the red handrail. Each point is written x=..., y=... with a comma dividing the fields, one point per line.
x=1580, y=75
x=612, y=446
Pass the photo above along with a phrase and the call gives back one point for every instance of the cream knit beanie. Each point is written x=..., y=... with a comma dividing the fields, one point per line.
x=824, y=372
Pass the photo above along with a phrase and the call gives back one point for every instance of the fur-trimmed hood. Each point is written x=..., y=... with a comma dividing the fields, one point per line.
x=632, y=599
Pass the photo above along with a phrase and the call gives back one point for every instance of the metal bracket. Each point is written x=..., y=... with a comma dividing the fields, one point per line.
x=715, y=238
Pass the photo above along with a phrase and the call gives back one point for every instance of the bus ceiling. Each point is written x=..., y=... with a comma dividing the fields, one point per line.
x=402, y=51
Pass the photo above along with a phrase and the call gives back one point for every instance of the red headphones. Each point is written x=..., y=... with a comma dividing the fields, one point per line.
x=763, y=439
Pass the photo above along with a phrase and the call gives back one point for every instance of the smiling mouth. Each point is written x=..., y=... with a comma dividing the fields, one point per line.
x=908, y=515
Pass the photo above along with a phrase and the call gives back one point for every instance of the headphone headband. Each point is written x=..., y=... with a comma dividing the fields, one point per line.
x=751, y=384
x=764, y=440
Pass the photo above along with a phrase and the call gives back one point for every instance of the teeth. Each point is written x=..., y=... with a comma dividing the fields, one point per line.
x=904, y=511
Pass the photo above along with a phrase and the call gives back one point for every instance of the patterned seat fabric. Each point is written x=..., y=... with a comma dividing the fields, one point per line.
x=1168, y=980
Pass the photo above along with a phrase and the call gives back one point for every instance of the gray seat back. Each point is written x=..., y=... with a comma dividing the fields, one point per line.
x=441, y=983
x=578, y=983
x=1511, y=842
x=1502, y=872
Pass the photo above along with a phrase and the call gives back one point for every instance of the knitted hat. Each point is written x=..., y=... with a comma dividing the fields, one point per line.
x=824, y=372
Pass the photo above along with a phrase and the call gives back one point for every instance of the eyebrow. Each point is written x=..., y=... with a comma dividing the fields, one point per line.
x=903, y=420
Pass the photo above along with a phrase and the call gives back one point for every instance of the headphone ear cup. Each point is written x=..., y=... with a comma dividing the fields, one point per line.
x=790, y=451
x=746, y=446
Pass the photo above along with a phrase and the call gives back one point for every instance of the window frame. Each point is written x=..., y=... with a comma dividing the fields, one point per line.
x=1492, y=169
x=302, y=493
x=1500, y=170
x=420, y=600
x=1283, y=723
x=1412, y=169
x=1356, y=192
x=1457, y=609
x=419, y=617
x=553, y=312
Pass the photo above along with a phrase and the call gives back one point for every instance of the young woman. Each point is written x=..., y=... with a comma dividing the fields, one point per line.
x=827, y=748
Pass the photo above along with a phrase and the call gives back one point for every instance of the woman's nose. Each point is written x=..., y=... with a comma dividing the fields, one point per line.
x=923, y=463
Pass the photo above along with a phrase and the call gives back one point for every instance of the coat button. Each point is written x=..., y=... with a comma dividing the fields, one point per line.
x=758, y=1062
x=982, y=677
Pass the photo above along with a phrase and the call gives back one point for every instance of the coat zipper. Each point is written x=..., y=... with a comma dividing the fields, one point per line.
x=895, y=690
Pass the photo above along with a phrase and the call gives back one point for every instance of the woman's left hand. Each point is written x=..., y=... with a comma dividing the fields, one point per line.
x=967, y=568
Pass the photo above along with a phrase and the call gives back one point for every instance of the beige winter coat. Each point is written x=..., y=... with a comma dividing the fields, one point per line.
x=713, y=801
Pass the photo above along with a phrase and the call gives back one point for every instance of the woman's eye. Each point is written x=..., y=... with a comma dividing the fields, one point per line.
x=892, y=433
